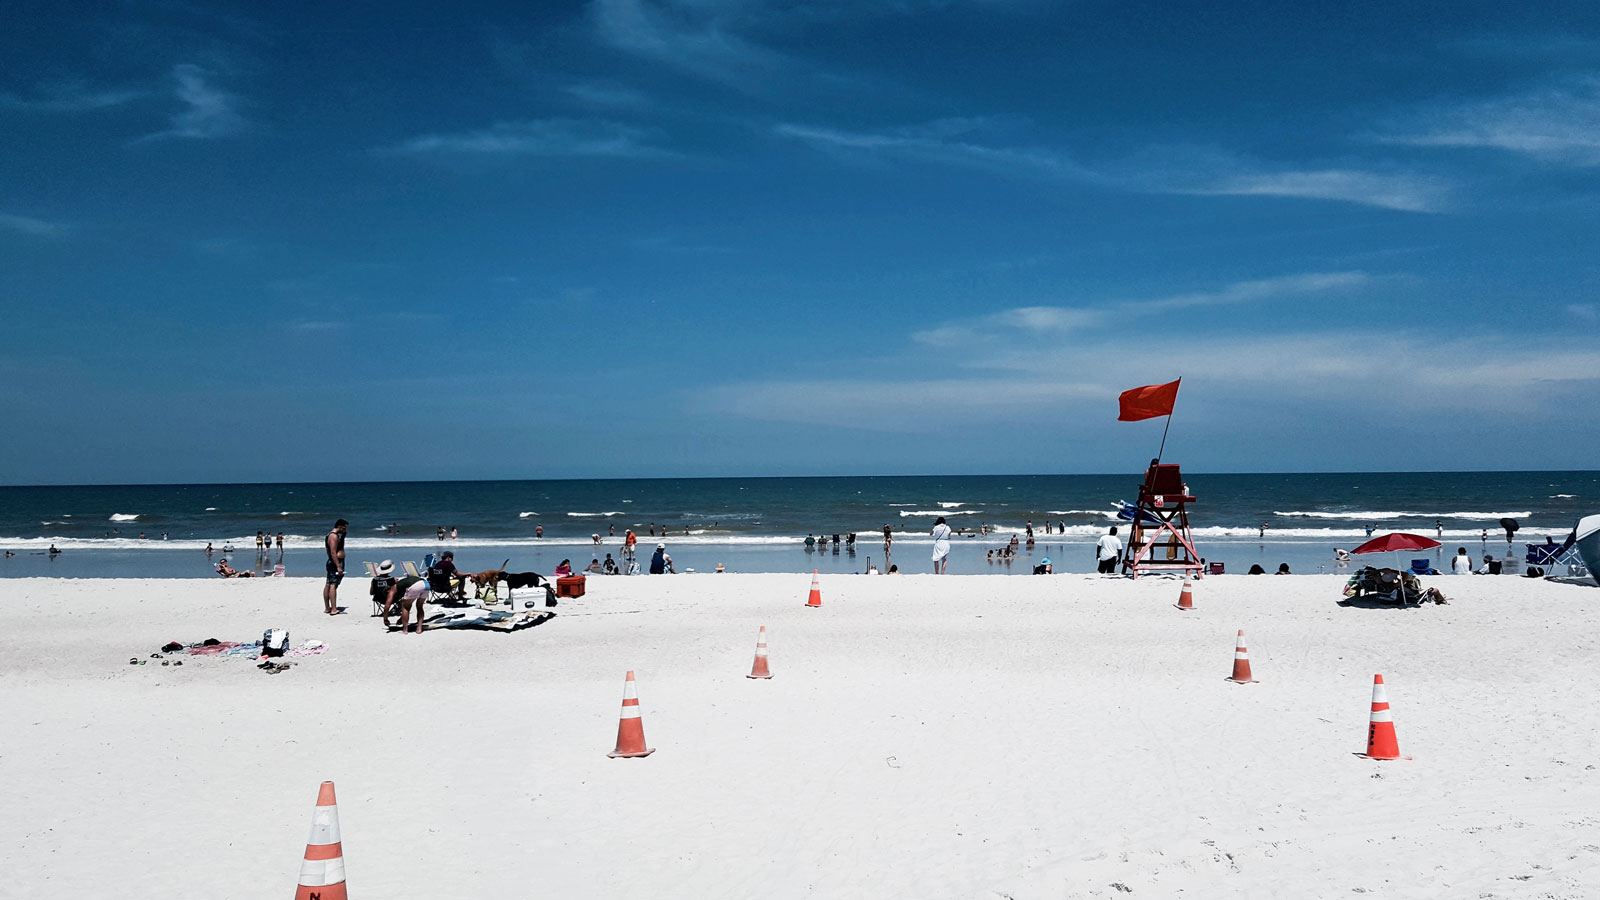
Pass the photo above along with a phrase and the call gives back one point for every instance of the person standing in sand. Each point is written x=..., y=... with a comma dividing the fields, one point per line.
x=1106, y=552
x=941, y=546
x=334, y=544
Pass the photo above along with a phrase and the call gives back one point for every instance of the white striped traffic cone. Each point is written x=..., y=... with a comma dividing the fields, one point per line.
x=322, y=872
x=630, y=729
x=1241, y=662
x=1381, y=740
x=759, y=669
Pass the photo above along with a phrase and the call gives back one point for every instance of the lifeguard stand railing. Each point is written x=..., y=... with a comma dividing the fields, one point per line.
x=1160, y=540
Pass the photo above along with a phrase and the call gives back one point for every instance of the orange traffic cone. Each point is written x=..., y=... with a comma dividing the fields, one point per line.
x=1241, y=662
x=1381, y=742
x=759, y=670
x=1186, y=599
x=322, y=873
x=816, y=591
x=630, y=729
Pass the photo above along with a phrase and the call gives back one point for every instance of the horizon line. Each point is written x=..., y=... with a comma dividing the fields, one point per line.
x=775, y=477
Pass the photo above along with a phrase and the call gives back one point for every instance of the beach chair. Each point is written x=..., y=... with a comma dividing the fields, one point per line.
x=378, y=592
x=1550, y=556
x=441, y=589
x=411, y=569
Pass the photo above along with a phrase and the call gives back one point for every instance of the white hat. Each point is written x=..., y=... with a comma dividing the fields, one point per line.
x=386, y=567
x=661, y=546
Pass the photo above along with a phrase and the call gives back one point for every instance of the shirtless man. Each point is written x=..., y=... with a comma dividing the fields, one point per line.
x=334, y=543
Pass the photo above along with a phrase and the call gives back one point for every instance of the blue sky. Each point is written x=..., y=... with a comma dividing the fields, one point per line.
x=699, y=237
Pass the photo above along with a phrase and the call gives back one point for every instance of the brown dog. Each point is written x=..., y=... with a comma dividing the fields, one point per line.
x=489, y=577
x=486, y=578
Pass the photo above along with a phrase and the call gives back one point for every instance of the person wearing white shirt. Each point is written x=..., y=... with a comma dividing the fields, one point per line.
x=1462, y=564
x=1107, y=551
x=941, y=546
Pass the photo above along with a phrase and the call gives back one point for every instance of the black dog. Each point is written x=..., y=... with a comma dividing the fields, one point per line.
x=516, y=580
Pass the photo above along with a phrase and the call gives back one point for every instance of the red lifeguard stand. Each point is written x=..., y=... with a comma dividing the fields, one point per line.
x=1160, y=540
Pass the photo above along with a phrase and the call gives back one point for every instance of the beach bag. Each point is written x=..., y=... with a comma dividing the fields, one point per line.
x=274, y=642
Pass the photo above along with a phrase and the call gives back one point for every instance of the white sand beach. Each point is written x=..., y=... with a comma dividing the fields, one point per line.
x=923, y=737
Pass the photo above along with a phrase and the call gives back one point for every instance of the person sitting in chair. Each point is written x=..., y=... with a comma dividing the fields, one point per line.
x=564, y=569
x=446, y=567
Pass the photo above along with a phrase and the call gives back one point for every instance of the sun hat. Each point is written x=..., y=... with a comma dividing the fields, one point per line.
x=386, y=567
x=1045, y=561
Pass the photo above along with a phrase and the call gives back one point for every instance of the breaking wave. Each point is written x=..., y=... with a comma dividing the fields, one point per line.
x=124, y=517
x=1378, y=515
x=594, y=515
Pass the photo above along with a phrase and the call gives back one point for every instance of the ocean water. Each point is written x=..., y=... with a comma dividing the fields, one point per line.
x=759, y=524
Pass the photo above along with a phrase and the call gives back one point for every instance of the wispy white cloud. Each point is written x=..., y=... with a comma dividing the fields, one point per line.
x=315, y=325
x=208, y=111
x=955, y=141
x=695, y=38
x=30, y=225
x=969, y=143
x=68, y=97
x=1005, y=326
x=608, y=94
x=1560, y=123
x=1403, y=192
x=1333, y=373
x=539, y=137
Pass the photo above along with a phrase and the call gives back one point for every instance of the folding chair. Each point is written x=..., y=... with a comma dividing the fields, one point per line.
x=379, y=591
x=440, y=589
x=1422, y=567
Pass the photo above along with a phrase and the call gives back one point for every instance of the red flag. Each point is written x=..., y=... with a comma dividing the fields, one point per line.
x=1148, y=402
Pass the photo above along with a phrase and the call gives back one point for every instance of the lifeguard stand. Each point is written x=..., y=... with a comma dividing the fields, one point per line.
x=1160, y=540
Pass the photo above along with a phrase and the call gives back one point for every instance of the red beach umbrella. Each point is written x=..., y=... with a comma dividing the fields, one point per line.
x=1397, y=541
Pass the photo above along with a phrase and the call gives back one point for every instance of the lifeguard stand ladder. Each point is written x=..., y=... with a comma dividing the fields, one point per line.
x=1160, y=540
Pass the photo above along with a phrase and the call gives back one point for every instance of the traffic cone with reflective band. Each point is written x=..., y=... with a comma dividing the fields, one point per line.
x=816, y=591
x=322, y=873
x=630, y=729
x=1381, y=742
x=1241, y=662
x=1186, y=599
x=759, y=670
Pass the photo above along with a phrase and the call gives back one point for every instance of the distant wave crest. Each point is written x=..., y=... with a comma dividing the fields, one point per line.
x=524, y=515
x=1377, y=515
x=124, y=517
x=594, y=515
x=940, y=512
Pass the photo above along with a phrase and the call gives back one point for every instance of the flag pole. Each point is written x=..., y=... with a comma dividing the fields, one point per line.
x=1169, y=423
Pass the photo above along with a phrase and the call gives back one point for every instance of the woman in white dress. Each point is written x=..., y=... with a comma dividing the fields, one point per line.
x=941, y=546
